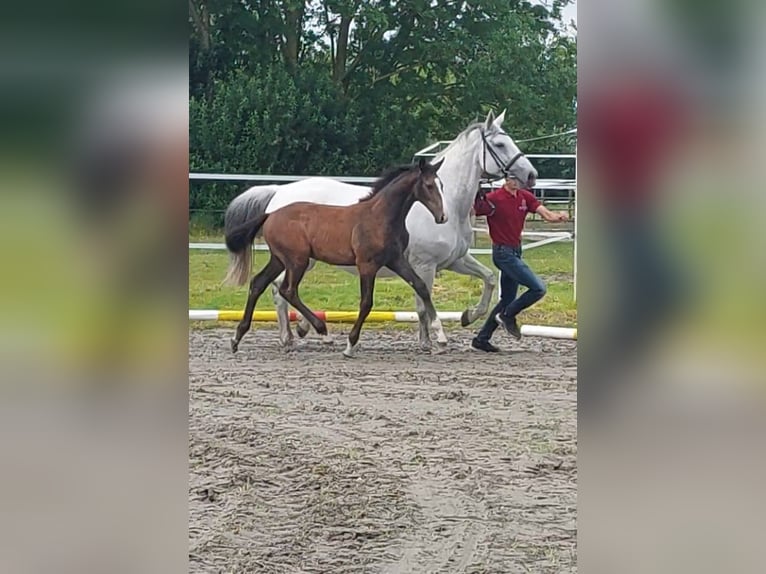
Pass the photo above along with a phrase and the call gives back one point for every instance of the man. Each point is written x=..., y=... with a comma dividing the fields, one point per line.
x=639, y=116
x=506, y=209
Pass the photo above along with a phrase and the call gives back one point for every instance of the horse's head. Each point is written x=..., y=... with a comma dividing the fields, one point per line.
x=428, y=189
x=500, y=155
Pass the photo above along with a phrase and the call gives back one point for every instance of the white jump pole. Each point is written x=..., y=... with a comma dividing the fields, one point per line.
x=374, y=317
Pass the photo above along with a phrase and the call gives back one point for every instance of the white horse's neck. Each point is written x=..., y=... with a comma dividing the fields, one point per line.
x=460, y=175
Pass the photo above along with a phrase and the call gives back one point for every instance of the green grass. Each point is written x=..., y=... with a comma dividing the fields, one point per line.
x=327, y=288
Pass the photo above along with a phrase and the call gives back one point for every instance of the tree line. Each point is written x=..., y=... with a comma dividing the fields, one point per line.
x=351, y=86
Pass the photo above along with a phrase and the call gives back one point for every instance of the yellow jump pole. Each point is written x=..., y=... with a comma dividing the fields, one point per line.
x=373, y=317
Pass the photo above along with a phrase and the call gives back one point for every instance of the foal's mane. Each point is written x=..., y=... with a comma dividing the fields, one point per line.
x=388, y=177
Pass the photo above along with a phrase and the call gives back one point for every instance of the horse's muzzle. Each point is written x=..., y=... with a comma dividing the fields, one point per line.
x=442, y=219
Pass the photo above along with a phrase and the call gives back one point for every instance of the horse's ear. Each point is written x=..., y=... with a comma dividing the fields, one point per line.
x=422, y=163
x=499, y=119
x=437, y=165
x=490, y=119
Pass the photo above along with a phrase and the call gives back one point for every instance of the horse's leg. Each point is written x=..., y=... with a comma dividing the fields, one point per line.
x=426, y=312
x=258, y=285
x=289, y=290
x=283, y=315
x=428, y=275
x=367, y=287
x=469, y=265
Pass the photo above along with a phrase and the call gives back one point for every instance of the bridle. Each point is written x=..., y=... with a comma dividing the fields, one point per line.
x=505, y=169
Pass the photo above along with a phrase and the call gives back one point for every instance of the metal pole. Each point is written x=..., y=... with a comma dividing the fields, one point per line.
x=576, y=200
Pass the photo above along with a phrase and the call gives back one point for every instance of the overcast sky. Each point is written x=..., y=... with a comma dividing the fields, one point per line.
x=570, y=12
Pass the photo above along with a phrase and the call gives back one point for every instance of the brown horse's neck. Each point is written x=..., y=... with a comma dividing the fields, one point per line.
x=393, y=204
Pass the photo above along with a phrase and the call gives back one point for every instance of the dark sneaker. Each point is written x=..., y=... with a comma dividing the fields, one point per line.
x=483, y=346
x=510, y=325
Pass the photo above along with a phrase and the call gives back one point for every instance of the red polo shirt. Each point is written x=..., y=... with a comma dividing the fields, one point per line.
x=630, y=135
x=506, y=214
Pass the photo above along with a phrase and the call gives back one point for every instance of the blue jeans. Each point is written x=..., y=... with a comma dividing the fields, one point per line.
x=513, y=272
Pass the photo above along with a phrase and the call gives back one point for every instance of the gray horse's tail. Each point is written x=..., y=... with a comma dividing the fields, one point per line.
x=242, y=222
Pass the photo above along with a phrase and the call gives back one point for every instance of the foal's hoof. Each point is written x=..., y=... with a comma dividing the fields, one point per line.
x=301, y=330
x=234, y=345
x=350, y=351
x=465, y=318
x=425, y=346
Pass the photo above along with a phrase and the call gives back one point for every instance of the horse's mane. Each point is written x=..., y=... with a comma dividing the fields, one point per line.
x=459, y=138
x=393, y=172
x=387, y=177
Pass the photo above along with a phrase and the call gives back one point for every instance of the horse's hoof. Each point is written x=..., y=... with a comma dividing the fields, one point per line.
x=302, y=332
x=350, y=351
x=439, y=349
x=234, y=345
x=465, y=318
x=441, y=339
x=328, y=340
x=288, y=347
x=425, y=347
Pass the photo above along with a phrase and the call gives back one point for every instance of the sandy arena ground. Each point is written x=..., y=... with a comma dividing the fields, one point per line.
x=393, y=462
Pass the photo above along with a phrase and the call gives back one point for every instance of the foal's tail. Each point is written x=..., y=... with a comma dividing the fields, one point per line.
x=243, y=212
x=239, y=241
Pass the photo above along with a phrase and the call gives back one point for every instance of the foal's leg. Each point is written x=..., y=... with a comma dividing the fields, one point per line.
x=303, y=326
x=289, y=290
x=428, y=315
x=258, y=285
x=367, y=287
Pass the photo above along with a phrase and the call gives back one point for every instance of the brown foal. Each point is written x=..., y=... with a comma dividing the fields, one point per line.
x=370, y=234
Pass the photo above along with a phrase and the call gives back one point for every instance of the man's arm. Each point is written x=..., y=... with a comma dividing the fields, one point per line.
x=551, y=216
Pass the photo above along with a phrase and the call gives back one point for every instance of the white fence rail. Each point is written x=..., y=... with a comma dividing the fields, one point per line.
x=543, y=184
x=546, y=238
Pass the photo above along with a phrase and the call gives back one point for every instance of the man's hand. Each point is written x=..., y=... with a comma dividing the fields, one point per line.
x=552, y=216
